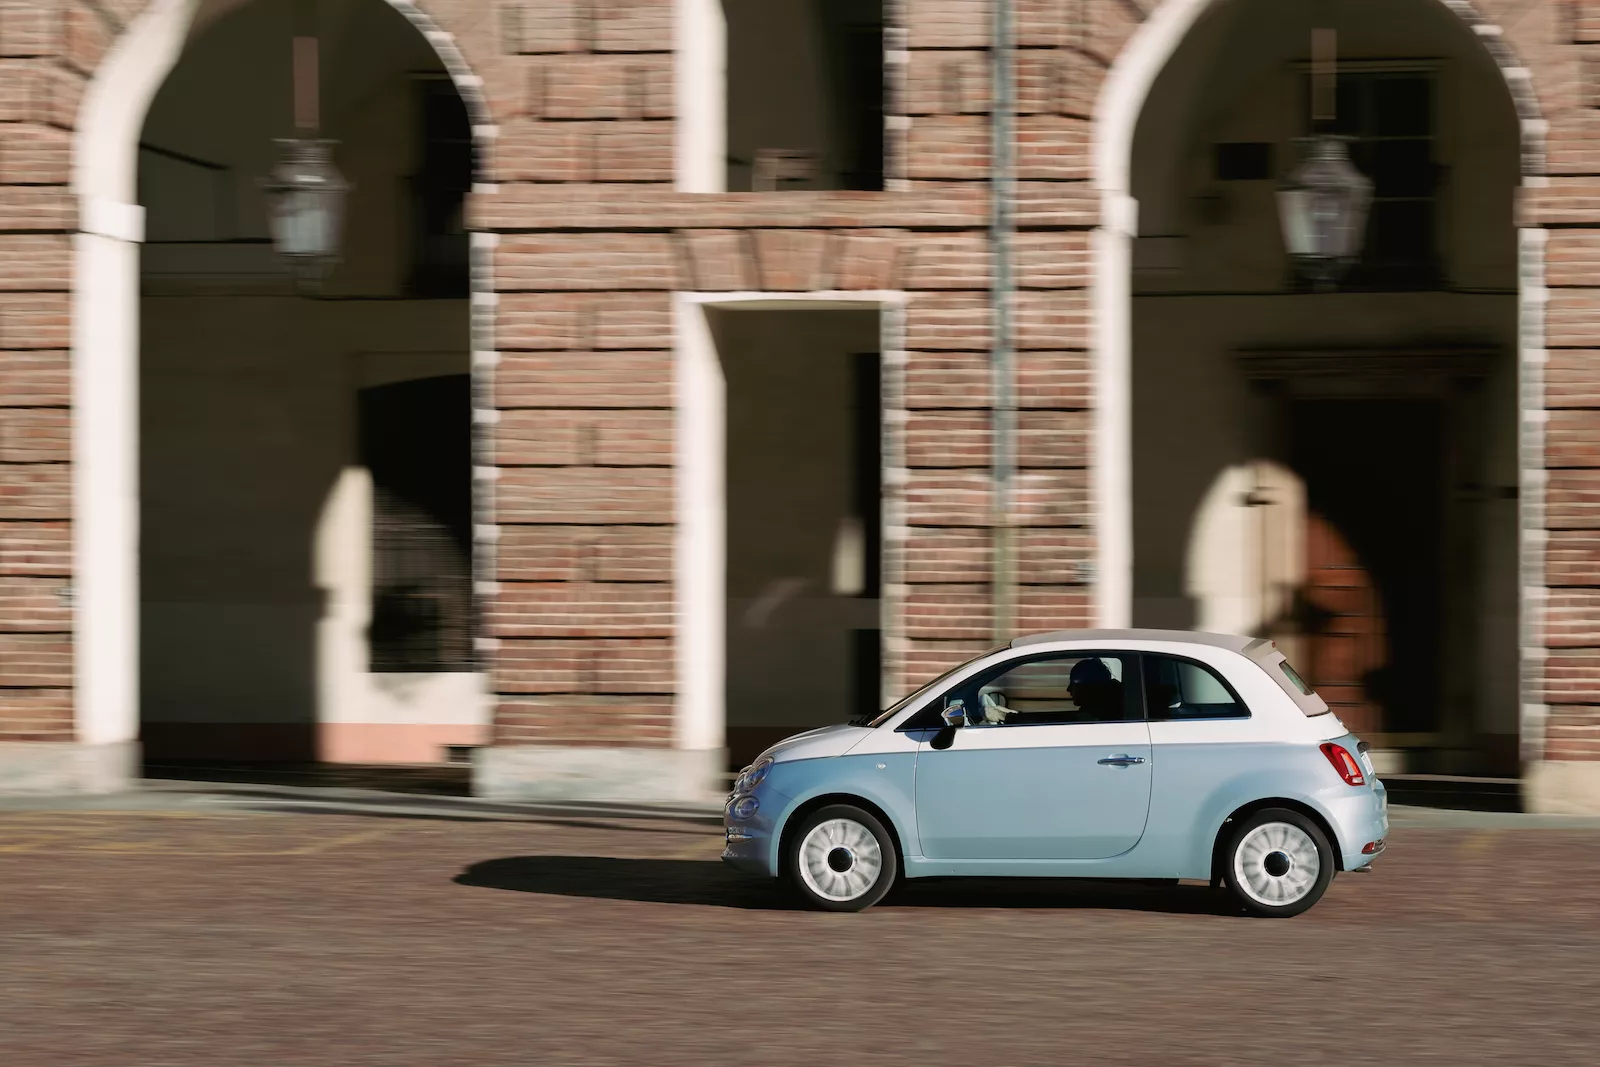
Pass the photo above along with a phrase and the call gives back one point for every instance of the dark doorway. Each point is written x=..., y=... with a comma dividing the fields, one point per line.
x=416, y=440
x=804, y=490
x=1373, y=610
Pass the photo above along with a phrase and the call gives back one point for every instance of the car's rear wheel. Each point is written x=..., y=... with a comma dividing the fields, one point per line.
x=841, y=858
x=1278, y=863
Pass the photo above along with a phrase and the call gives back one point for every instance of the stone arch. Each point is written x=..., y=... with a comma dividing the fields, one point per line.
x=1116, y=116
x=105, y=353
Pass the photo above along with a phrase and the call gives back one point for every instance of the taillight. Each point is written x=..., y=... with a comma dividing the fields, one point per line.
x=1344, y=763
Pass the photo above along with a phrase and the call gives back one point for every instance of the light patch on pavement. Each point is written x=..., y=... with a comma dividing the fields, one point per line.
x=172, y=834
x=708, y=848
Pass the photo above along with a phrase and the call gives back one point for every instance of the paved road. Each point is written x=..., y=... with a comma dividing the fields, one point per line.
x=139, y=939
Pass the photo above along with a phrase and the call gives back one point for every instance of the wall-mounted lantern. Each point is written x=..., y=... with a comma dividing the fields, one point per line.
x=1324, y=210
x=1323, y=205
x=305, y=198
x=306, y=192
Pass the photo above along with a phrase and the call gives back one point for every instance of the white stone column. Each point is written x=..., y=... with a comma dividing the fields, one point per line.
x=700, y=41
x=105, y=409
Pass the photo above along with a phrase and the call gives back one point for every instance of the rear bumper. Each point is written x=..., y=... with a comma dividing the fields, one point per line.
x=1361, y=822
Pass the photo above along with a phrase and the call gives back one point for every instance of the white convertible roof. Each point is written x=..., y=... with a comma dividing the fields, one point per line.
x=1232, y=642
x=1261, y=650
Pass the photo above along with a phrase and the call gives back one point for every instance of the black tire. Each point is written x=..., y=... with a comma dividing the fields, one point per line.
x=841, y=858
x=1267, y=863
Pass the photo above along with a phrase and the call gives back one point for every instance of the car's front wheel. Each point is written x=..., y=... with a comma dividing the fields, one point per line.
x=841, y=858
x=1278, y=863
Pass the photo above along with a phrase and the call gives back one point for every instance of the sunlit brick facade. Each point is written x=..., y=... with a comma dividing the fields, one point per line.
x=584, y=240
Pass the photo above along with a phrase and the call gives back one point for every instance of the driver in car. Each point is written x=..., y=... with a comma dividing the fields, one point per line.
x=1097, y=694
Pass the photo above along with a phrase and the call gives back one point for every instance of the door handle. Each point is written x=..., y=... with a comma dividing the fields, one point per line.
x=1121, y=761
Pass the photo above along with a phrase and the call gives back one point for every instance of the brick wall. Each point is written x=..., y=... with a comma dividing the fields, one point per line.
x=592, y=240
x=1559, y=42
x=46, y=53
x=583, y=384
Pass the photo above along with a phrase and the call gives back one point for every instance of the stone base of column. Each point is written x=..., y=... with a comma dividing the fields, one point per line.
x=598, y=774
x=1563, y=787
x=61, y=768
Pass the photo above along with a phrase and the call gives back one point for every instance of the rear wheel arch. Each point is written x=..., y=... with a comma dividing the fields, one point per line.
x=1220, y=843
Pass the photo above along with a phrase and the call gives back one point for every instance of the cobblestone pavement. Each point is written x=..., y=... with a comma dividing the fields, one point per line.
x=138, y=939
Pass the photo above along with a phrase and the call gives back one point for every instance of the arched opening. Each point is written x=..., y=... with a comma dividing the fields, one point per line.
x=1392, y=400
x=296, y=586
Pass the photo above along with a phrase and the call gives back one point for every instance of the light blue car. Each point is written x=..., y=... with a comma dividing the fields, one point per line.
x=1140, y=754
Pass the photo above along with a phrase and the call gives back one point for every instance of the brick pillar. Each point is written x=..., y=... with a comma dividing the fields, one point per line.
x=47, y=51
x=1566, y=773
x=580, y=621
x=948, y=557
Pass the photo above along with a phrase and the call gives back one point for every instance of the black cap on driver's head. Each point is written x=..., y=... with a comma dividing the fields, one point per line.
x=1089, y=672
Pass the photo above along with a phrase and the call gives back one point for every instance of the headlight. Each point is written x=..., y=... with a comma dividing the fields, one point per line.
x=752, y=776
x=755, y=775
x=745, y=807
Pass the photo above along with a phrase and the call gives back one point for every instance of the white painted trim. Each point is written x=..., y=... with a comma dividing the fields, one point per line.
x=1137, y=66
x=700, y=555
x=107, y=218
x=700, y=87
x=105, y=147
x=105, y=372
x=893, y=515
x=1116, y=117
x=1112, y=473
x=105, y=488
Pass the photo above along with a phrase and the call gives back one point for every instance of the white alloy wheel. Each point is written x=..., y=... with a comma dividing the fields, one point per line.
x=1276, y=864
x=1279, y=863
x=842, y=859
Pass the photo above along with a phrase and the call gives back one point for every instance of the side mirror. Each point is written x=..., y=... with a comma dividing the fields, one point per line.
x=955, y=713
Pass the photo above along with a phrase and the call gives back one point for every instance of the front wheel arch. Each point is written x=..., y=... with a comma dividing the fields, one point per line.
x=1220, y=842
x=811, y=804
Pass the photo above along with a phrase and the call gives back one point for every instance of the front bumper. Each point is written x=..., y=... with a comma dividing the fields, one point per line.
x=749, y=847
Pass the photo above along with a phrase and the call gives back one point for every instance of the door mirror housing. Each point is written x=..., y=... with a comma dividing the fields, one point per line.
x=955, y=713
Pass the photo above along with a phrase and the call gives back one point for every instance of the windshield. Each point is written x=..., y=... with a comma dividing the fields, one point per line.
x=905, y=702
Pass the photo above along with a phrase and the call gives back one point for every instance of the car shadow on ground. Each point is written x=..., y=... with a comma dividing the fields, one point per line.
x=708, y=883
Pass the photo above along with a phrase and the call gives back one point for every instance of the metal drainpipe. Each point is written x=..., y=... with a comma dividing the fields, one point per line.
x=1005, y=402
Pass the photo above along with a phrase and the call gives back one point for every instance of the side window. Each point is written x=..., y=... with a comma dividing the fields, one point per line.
x=1050, y=690
x=1178, y=689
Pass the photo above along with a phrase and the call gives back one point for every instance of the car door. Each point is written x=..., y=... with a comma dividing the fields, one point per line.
x=1202, y=731
x=1054, y=764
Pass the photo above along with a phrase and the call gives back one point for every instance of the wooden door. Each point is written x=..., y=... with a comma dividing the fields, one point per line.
x=1344, y=629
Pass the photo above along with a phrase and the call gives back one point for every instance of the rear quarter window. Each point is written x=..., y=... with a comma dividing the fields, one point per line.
x=1276, y=664
x=1177, y=689
x=1294, y=677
